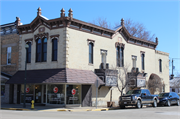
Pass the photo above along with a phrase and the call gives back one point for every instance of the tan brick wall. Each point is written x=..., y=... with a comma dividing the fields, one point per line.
x=9, y=40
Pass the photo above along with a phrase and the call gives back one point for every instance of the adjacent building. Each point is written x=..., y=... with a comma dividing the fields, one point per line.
x=66, y=56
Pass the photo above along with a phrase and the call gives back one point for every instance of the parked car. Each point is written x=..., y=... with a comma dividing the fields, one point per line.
x=168, y=98
x=138, y=98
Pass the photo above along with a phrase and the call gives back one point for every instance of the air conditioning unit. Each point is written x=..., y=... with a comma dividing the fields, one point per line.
x=107, y=65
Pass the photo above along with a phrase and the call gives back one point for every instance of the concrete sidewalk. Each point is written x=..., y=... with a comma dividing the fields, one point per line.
x=19, y=107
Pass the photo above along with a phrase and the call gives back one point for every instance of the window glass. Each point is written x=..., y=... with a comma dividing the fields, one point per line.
x=45, y=49
x=73, y=93
x=9, y=55
x=29, y=53
x=90, y=53
x=120, y=56
x=2, y=90
x=54, y=50
x=147, y=92
x=56, y=94
x=29, y=93
x=142, y=56
x=38, y=50
x=160, y=65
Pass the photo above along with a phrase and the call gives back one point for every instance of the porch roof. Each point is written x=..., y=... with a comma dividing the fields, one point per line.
x=63, y=75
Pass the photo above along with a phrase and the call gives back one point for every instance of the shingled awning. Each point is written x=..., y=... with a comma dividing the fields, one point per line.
x=63, y=75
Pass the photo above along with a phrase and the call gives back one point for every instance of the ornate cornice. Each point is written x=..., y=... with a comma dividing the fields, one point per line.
x=41, y=36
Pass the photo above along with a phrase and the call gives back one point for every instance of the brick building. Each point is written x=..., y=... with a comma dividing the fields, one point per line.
x=9, y=54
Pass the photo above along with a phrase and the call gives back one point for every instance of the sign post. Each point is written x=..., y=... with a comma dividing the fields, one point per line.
x=73, y=91
x=97, y=85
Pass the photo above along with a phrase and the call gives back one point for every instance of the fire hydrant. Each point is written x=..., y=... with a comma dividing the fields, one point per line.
x=32, y=104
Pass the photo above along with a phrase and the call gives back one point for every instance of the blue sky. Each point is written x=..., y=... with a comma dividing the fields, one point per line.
x=162, y=18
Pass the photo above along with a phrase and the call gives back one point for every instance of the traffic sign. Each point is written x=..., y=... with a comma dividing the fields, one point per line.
x=73, y=91
x=55, y=89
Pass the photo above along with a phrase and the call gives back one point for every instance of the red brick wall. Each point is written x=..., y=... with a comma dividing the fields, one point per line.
x=10, y=40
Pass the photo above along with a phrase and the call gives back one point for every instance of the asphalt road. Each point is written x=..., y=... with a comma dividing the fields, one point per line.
x=172, y=112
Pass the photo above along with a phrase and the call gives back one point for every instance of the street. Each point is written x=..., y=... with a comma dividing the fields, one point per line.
x=172, y=112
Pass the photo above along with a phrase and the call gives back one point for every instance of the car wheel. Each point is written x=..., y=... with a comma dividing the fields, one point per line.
x=122, y=106
x=138, y=105
x=177, y=102
x=168, y=103
x=154, y=103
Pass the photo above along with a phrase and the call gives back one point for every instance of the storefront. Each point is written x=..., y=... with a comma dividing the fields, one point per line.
x=54, y=88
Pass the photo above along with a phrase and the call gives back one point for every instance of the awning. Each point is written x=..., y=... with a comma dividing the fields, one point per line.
x=63, y=75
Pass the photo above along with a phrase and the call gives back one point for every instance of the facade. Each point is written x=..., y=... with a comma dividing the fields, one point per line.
x=66, y=56
x=9, y=55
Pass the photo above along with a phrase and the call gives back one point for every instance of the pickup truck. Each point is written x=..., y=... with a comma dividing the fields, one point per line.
x=138, y=98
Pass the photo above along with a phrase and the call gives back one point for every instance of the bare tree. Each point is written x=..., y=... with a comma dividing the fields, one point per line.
x=175, y=84
x=155, y=83
x=100, y=21
x=137, y=29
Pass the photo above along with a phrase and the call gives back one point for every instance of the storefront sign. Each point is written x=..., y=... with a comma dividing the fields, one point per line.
x=73, y=91
x=27, y=90
x=111, y=81
x=141, y=82
x=55, y=89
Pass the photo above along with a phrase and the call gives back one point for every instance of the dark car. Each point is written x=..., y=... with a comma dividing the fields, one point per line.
x=168, y=98
x=138, y=98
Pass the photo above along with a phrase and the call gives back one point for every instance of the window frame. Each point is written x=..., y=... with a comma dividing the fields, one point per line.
x=120, y=56
x=41, y=53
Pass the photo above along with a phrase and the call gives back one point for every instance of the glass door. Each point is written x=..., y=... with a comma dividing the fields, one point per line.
x=38, y=93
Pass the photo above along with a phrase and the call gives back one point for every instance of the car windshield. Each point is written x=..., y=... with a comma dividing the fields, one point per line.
x=163, y=95
x=134, y=92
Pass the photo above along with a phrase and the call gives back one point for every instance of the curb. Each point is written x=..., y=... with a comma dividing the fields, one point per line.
x=18, y=109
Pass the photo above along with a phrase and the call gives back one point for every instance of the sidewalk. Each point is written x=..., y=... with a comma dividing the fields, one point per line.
x=19, y=107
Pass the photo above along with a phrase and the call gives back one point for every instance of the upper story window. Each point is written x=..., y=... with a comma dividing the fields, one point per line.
x=54, y=49
x=134, y=58
x=9, y=55
x=120, y=56
x=28, y=54
x=41, y=50
x=91, y=53
x=142, y=61
x=160, y=65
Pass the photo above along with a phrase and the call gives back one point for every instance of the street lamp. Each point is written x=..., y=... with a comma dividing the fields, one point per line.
x=26, y=47
x=172, y=75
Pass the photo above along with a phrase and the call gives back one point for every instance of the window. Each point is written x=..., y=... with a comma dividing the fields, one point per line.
x=142, y=56
x=9, y=55
x=134, y=58
x=91, y=53
x=160, y=65
x=54, y=50
x=103, y=58
x=2, y=90
x=120, y=56
x=41, y=50
x=28, y=54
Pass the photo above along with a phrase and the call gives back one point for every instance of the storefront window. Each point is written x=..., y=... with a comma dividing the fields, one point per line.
x=73, y=94
x=55, y=94
x=2, y=90
x=29, y=93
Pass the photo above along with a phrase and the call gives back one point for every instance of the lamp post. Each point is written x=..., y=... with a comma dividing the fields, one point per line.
x=26, y=47
x=172, y=75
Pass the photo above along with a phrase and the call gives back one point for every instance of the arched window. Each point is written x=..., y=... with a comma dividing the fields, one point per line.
x=160, y=65
x=142, y=56
x=91, y=53
x=120, y=56
x=38, y=50
x=28, y=54
x=41, y=50
x=54, y=50
x=44, y=50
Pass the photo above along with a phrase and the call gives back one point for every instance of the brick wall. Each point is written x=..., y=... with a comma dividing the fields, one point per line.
x=9, y=40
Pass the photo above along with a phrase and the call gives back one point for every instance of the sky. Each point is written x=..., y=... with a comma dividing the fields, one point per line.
x=160, y=17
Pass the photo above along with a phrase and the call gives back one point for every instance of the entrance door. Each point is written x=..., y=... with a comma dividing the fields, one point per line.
x=38, y=93
x=18, y=93
x=86, y=95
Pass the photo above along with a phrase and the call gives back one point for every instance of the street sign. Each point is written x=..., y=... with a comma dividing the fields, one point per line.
x=73, y=91
x=27, y=90
x=55, y=89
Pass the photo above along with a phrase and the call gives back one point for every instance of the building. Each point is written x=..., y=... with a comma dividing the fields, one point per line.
x=66, y=56
x=9, y=55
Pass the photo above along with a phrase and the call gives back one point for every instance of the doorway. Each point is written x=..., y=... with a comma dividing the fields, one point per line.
x=38, y=93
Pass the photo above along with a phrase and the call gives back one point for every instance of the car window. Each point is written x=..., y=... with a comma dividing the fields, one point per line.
x=163, y=95
x=147, y=92
x=134, y=92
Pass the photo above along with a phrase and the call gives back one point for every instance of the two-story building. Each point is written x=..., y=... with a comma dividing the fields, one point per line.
x=66, y=56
